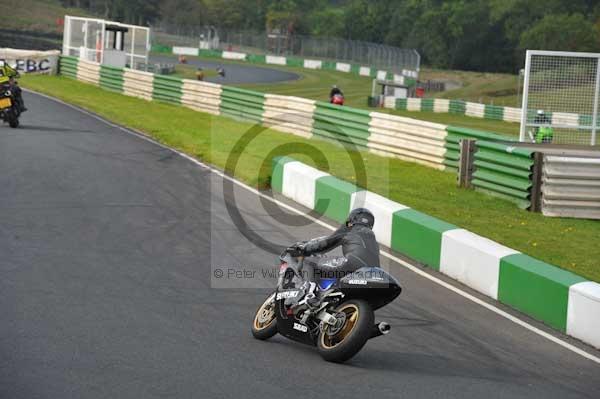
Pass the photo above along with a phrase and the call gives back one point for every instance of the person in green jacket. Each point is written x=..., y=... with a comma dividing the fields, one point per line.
x=543, y=134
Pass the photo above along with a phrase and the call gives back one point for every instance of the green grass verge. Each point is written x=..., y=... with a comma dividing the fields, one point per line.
x=568, y=243
x=479, y=87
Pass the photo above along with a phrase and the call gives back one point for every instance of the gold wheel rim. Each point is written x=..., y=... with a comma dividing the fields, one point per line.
x=331, y=341
x=265, y=315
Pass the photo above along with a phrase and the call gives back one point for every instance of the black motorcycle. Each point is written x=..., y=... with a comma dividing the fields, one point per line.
x=9, y=109
x=341, y=321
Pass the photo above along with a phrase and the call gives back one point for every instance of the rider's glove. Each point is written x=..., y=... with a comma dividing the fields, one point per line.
x=297, y=249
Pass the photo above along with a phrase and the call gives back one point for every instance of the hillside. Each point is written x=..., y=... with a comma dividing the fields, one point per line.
x=481, y=87
x=36, y=15
x=34, y=24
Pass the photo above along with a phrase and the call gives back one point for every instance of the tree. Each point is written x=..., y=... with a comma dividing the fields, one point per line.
x=366, y=20
x=561, y=32
x=485, y=35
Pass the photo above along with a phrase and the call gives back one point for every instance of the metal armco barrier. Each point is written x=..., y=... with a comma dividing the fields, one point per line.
x=504, y=171
x=571, y=187
x=455, y=134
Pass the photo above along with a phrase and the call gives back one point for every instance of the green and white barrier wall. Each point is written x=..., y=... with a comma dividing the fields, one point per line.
x=68, y=66
x=201, y=96
x=242, y=104
x=138, y=84
x=501, y=170
x=408, y=139
x=406, y=77
x=457, y=107
x=289, y=114
x=342, y=124
x=167, y=88
x=554, y=296
x=111, y=78
x=484, y=111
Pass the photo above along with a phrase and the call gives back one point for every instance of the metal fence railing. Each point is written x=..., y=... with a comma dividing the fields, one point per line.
x=353, y=51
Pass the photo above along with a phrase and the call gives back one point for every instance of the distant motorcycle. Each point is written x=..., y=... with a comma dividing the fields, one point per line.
x=337, y=99
x=340, y=323
x=9, y=109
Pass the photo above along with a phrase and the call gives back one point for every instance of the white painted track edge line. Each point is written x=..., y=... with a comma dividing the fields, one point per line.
x=388, y=255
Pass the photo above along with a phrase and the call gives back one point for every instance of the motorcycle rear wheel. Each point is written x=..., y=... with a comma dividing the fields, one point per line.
x=264, y=325
x=13, y=119
x=349, y=339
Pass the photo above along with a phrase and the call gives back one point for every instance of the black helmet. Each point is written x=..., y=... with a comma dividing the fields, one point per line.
x=361, y=216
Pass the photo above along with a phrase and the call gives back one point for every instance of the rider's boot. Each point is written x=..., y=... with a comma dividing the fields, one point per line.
x=312, y=295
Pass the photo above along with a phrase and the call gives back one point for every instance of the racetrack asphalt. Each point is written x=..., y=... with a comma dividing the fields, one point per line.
x=107, y=246
x=234, y=73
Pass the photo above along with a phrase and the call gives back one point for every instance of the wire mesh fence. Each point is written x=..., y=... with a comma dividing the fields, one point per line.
x=381, y=56
x=91, y=39
x=560, y=98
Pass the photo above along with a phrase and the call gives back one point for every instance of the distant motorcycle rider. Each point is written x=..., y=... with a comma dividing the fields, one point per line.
x=334, y=91
x=7, y=77
x=359, y=248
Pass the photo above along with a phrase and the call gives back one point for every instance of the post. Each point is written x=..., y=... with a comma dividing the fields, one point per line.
x=373, y=87
x=536, y=182
x=85, y=40
x=519, y=86
x=148, y=47
x=525, y=97
x=466, y=161
x=595, y=109
x=103, y=41
x=67, y=35
x=131, y=64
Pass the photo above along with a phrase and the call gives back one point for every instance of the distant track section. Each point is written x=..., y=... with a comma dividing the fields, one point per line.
x=234, y=73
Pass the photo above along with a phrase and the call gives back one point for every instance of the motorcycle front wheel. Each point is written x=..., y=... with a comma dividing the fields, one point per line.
x=341, y=342
x=264, y=325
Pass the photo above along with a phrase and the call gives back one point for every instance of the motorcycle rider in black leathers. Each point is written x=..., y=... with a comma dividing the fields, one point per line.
x=334, y=90
x=359, y=248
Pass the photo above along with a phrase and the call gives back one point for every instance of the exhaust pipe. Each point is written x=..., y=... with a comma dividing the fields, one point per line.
x=381, y=328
